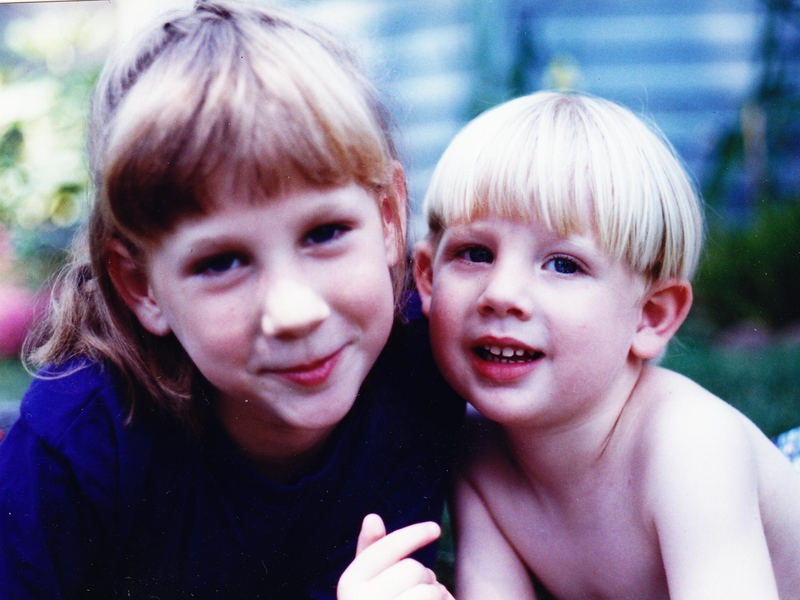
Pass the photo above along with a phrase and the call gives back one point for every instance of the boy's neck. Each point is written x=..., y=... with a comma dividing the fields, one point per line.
x=557, y=458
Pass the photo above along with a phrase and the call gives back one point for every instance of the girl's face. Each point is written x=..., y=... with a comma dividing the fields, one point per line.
x=283, y=304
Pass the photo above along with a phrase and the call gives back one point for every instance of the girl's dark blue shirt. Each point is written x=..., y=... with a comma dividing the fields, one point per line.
x=93, y=508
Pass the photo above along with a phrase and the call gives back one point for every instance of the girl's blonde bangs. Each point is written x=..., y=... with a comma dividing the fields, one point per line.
x=266, y=113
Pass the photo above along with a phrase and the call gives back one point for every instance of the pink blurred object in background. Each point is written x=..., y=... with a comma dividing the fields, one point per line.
x=18, y=308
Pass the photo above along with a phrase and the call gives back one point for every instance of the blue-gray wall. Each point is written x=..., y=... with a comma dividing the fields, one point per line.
x=691, y=65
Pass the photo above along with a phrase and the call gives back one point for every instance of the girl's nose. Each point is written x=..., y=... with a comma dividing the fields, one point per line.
x=507, y=292
x=292, y=310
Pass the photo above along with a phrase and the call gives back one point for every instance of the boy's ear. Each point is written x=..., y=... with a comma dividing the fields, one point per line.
x=394, y=215
x=132, y=284
x=664, y=309
x=423, y=273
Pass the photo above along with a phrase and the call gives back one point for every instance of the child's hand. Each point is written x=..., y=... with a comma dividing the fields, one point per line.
x=381, y=568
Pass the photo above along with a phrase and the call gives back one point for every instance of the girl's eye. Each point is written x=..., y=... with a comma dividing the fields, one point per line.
x=478, y=254
x=220, y=263
x=563, y=265
x=325, y=233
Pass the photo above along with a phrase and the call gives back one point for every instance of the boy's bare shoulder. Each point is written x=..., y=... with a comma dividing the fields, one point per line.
x=673, y=409
x=706, y=468
x=690, y=436
x=681, y=424
x=676, y=414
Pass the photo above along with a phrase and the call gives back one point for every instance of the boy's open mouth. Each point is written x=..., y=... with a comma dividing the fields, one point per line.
x=506, y=354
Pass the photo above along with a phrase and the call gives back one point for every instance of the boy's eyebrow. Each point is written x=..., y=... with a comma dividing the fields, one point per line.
x=576, y=241
x=457, y=234
x=468, y=227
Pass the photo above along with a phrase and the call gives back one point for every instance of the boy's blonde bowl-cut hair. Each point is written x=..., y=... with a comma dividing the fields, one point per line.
x=580, y=164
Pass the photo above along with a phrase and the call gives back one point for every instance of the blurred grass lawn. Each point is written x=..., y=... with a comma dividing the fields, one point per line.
x=763, y=383
x=14, y=380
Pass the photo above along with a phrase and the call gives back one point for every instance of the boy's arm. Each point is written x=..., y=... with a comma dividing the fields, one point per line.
x=487, y=566
x=705, y=502
x=381, y=568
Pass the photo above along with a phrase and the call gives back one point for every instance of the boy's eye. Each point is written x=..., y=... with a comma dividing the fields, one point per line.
x=220, y=263
x=478, y=254
x=563, y=265
x=325, y=233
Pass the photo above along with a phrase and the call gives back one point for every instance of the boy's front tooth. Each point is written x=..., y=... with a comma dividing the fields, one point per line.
x=508, y=352
x=495, y=350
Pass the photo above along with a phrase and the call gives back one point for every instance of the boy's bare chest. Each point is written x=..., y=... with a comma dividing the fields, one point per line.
x=597, y=545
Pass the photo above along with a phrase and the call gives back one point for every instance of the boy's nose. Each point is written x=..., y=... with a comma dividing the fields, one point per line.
x=292, y=309
x=507, y=293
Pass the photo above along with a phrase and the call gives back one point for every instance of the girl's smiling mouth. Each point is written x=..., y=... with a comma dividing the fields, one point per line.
x=314, y=373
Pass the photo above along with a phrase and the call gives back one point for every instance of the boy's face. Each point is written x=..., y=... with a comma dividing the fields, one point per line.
x=525, y=323
x=283, y=305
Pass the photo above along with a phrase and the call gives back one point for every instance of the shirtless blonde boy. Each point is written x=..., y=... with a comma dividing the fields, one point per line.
x=563, y=237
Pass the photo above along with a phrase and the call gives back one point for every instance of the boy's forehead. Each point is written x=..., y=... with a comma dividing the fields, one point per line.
x=567, y=209
x=489, y=220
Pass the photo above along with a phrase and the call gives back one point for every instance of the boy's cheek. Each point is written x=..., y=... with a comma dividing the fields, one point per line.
x=448, y=355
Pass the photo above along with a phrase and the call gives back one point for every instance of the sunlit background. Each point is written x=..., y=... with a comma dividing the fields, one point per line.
x=720, y=77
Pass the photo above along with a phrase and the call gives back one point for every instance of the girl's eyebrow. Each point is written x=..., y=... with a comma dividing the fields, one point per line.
x=212, y=241
x=203, y=245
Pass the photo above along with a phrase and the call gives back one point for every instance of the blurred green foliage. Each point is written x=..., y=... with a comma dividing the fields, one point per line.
x=50, y=62
x=751, y=268
x=752, y=273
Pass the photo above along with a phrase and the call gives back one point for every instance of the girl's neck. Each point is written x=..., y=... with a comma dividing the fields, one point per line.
x=281, y=454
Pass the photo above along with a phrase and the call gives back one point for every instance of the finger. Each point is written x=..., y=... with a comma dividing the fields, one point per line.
x=393, y=548
x=401, y=577
x=372, y=530
x=389, y=583
x=434, y=591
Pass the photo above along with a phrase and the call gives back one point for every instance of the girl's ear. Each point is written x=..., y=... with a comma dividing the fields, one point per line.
x=423, y=273
x=664, y=309
x=393, y=211
x=132, y=284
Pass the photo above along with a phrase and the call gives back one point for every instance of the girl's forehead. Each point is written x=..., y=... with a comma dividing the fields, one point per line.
x=233, y=211
x=295, y=189
x=297, y=201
